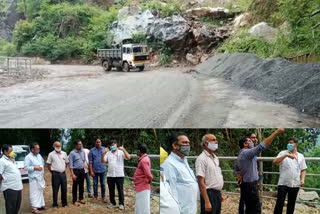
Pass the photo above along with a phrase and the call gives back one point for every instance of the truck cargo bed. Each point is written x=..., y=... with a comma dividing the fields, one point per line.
x=109, y=53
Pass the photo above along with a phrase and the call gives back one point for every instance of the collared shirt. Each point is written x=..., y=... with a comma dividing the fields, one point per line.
x=142, y=175
x=95, y=159
x=208, y=167
x=76, y=159
x=115, y=162
x=182, y=182
x=247, y=162
x=58, y=161
x=11, y=176
x=30, y=162
x=290, y=169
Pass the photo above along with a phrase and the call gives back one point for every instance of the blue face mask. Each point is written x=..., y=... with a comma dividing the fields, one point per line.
x=290, y=147
x=113, y=148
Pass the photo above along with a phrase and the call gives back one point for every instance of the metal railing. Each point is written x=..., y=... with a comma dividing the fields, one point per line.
x=15, y=64
x=133, y=156
x=261, y=172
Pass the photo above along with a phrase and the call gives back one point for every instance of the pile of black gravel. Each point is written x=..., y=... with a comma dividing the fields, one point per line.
x=297, y=85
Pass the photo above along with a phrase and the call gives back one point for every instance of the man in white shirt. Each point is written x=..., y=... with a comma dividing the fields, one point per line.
x=57, y=163
x=10, y=180
x=292, y=176
x=180, y=176
x=209, y=176
x=115, y=175
x=34, y=165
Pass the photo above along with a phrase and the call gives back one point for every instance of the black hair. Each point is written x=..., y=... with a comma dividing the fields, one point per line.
x=174, y=138
x=248, y=135
x=242, y=141
x=113, y=142
x=76, y=142
x=5, y=147
x=142, y=148
x=32, y=145
x=295, y=140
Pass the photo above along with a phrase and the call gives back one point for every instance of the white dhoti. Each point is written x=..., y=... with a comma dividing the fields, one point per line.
x=142, y=202
x=36, y=192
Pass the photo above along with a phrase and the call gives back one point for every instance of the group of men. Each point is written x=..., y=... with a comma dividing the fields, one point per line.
x=82, y=163
x=180, y=186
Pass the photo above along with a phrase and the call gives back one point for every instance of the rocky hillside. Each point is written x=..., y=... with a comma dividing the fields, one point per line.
x=9, y=15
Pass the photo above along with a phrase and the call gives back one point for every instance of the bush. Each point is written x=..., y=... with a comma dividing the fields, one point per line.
x=65, y=30
x=7, y=48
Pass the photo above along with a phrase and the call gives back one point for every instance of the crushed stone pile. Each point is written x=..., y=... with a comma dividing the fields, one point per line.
x=297, y=85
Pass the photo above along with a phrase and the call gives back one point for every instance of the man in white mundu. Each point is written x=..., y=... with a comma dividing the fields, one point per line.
x=34, y=164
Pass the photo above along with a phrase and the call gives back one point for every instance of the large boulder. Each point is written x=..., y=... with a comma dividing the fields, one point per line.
x=218, y=12
x=241, y=20
x=264, y=31
x=307, y=196
x=174, y=28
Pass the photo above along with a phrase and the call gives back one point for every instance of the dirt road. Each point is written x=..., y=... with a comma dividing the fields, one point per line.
x=89, y=207
x=86, y=96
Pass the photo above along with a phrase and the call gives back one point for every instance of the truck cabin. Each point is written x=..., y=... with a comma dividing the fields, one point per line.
x=135, y=49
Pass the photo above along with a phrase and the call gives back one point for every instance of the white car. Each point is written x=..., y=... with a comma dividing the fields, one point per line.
x=21, y=152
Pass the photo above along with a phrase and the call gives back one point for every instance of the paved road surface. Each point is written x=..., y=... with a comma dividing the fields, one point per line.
x=74, y=96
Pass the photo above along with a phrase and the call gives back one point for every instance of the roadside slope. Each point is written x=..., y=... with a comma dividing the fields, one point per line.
x=297, y=85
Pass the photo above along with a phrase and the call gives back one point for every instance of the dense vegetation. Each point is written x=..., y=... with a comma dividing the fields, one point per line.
x=294, y=20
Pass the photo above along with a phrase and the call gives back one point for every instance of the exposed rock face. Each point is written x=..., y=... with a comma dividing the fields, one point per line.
x=264, y=31
x=9, y=15
x=182, y=34
x=172, y=28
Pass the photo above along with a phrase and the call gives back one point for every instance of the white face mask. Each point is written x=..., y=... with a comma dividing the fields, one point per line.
x=57, y=150
x=212, y=146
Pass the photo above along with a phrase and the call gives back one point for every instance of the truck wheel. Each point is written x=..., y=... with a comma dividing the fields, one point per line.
x=126, y=67
x=106, y=66
x=141, y=68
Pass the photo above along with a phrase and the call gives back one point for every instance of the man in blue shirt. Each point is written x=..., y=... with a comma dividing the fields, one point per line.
x=97, y=170
x=179, y=175
x=247, y=163
x=76, y=165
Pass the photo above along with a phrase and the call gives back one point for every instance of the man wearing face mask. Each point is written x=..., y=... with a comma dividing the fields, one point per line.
x=115, y=175
x=57, y=163
x=179, y=175
x=10, y=180
x=34, y=165
x=253, y=138
x=209, y=176
x=97, y=170
x=292, y=175
x=247, y=162
x=142, y=180
x=76, y=165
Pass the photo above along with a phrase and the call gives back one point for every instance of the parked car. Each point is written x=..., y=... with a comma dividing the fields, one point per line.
x=21, y=152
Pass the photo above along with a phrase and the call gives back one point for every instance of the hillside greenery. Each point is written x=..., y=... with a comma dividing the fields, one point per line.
x=296, y=38
x=64, y=29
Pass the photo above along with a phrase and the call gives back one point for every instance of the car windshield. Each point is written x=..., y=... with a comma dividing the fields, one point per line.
x=20, y=156
x=137, y=49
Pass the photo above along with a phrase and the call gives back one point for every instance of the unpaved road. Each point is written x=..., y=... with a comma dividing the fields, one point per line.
x=88, y=208
x=85, y=96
